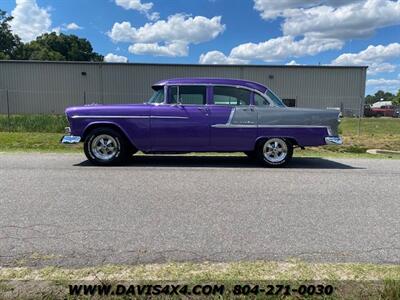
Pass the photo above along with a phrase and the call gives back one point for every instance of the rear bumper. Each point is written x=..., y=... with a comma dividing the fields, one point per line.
x=333, y=140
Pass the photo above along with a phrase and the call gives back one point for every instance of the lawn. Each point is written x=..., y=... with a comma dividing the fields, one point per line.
x=43, y=132
x=350, y=281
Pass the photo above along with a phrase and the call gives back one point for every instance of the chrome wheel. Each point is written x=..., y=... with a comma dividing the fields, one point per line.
x=104, y=147
x=275, y=150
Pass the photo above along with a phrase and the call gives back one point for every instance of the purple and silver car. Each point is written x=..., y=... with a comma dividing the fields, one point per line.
x=201, y=115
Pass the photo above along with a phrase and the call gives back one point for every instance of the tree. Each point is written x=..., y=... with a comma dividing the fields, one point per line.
x=10, y=43
x=60, y=47
x=396, y=99
x=379, y=95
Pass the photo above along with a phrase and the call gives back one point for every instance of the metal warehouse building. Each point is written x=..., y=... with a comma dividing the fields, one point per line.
x=49, y=87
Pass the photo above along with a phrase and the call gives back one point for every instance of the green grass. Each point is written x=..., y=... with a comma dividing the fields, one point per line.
x=350, y=280
x=34, y=141
x=42, y=133
x=33, y=123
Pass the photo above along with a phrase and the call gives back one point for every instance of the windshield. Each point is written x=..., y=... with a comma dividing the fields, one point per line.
x=275, y=99
x=158, y=97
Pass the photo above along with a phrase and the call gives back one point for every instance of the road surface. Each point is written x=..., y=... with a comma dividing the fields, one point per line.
x=56, y=209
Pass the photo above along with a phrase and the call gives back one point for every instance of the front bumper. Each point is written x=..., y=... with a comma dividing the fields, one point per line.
x=333, y=140
x=68, y=138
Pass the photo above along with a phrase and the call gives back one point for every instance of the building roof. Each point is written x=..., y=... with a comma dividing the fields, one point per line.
x=190, y=65
x=214, y=81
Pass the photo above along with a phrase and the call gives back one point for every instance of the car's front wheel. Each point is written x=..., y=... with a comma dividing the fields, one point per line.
x=275, y=152
x=106, y=146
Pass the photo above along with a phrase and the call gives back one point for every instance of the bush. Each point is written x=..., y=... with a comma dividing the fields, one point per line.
x=33, y=123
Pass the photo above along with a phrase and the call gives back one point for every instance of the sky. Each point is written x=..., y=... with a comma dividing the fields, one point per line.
x=296, y=32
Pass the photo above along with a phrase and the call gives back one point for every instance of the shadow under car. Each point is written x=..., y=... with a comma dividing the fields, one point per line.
x=222, y=162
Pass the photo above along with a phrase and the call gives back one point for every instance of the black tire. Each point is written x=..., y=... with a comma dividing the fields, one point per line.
x=279, y=160
x=123, y=148
x=251, y=155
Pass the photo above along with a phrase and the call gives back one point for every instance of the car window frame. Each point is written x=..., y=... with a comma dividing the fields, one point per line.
x=168, y=88
x=255, y=92
x=251, y=98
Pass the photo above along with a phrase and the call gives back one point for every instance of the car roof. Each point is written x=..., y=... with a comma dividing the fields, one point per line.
x=213, y=81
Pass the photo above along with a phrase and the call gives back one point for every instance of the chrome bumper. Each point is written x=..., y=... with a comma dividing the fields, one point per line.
x=333, y=140
x=70, y=139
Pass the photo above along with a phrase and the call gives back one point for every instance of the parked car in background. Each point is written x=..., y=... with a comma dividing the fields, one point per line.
x=397, y=113
x=380, y=109
x=201, y=115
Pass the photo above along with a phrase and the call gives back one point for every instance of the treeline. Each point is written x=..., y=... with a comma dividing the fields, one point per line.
x=383, y=96
x=49, y=46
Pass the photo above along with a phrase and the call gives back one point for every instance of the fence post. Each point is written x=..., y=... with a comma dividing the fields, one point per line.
x=8, y=111
x=360, y=115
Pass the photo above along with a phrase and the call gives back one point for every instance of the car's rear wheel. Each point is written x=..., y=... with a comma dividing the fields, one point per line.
x=275, y=152
x=106, y=146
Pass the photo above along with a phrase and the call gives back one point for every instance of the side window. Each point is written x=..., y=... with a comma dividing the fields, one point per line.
x=224, y=95
x=260, y=101
x=195, y=95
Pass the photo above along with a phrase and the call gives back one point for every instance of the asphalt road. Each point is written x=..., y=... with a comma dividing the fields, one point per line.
x=59, y=210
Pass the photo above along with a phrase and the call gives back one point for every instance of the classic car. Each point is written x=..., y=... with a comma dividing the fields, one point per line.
x=201, y=115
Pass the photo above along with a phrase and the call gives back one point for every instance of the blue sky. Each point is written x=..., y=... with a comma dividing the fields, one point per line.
x=337, y=32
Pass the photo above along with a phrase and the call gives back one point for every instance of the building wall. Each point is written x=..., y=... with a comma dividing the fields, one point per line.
x=44, y=87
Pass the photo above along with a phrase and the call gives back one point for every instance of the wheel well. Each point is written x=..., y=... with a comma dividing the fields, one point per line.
x=263, y=139
x=106, y=125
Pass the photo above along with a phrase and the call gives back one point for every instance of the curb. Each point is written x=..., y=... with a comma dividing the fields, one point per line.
x=379, y=151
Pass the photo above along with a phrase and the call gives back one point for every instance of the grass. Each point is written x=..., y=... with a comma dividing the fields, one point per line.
x=350, y=280
x=42, y=133
x=33, y=123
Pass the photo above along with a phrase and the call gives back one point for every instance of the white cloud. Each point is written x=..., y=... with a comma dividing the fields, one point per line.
x=73, y=26
x=353, y=20
x=384, y=82
x=274, y=50
x=169, y=49
x=376, y=57
x=30, y=20
x=110, y=57
x=217, y=57
x=389, y=85
x=271, y=9
x=293, y=63
x=283, y=47
x=314, y=26
x=169, y=37
x=144, y=8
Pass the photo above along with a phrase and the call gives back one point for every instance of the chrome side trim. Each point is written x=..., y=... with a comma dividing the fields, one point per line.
x=128, y=117
x=168, y=117
x=293, y=126
x=266, y=126
x=233, y=126
x=109, y=117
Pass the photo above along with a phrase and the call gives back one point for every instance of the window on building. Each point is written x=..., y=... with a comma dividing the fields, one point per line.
x=290, y=102
x=224, y=95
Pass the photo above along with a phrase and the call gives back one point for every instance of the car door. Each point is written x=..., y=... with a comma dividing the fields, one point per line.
x=233, y=119
x=182, y=123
